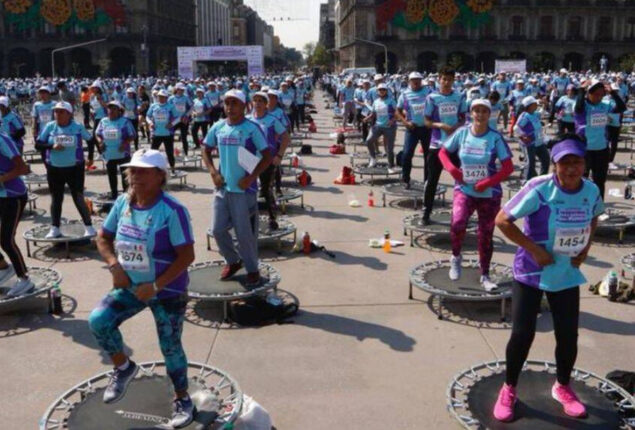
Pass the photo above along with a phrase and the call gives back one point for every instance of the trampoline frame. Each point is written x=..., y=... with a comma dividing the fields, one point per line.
x=53, y=276
x=628, y=262
x=408, y=227
x=181, y=177
x=284, y=199
x=28, y=236
x=65, y=404
x=271, y=273
x=360, y=168
x=460, y=386
x=512, y=186
x=286, y=230
x=34, y=179
x=417, y=279
x=440, y=192
x=194, y=161
x=620, y=227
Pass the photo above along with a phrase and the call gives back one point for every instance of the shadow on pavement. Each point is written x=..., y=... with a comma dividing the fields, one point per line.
x=591, y=322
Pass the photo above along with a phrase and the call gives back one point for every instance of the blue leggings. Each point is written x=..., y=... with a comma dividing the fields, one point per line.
x=121, y=304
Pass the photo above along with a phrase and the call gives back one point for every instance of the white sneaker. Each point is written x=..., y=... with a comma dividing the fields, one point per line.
x=391, y=170
x=53, y=233
x=89, y=231
x=6, y=273
x=372, y=162
x=22, y=286
x=488, y=284
x=455, y=268
x=612, y=166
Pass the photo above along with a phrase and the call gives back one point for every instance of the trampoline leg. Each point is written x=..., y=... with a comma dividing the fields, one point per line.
x=410, y=290
x=383, y=198
x=68, y=250
x=412, y=240
x=279, y=246
x=440, y=314
x=621, y=240
x=283, y=207
x=209, y=248
x=302, y=201
x=503, y=319
x=28, y=249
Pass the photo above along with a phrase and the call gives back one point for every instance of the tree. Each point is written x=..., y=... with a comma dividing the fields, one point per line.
x=455, y=62
x=320, y=57
x=308, y=50
x=627, y=63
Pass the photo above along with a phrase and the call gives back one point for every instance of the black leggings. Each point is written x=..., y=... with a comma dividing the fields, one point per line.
x=92, y=142
x=10, y=212
x=613, y=134
x=434, y=168
x=565, y=310
x=196, y=126
x=266, y=189
x=112, y=166
x=293, y=118
x=57, y=178
x=135, y=124
x=563, y=127
x=182, y=128
x=168, y=142
x=597, y=162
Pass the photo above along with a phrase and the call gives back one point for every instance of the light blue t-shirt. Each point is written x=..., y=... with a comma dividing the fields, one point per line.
x=559, y=221
x=565, y=106
x=494, y=113
x=98, y=110
x=384, y=110
x=281, y=116
x=42, y=113
x=8, y=151
x=70, y=137
x=287, y=98
x=530, y=125
x=445, y=108
x=114, y=134
x=163, y=116
x=271, y=127
x=182, y=104
x=11, y=123
x=414, y=104
x=200, y=107
x=130, y=106
x=228, y=138
x=478, y=155
x=592, y=122
x=146, y=238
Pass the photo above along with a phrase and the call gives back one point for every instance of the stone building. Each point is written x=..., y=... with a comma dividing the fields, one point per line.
x=548, y=33
x=213, y=22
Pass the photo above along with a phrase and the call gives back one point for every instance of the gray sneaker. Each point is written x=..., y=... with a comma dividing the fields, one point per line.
x=21, y=287
x=455, y=268
x=119, y=381
x=183, y=412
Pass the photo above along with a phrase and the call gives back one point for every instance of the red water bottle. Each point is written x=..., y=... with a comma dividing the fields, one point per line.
x=306, y=243
x=371, y=199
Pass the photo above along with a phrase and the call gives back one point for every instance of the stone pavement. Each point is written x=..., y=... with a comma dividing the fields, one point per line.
x=358, y=355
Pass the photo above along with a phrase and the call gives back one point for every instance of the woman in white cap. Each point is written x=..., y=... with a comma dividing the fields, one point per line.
x=564, y=111
x=183, y=106
x=131, y=111
x=560, y=213
x=529, y=130
x=201, y=116
x=148, y=244
x=42, y=111
x=383, y=113
x=98, y=105
x=477, y=185
x=161, y=118
x=64, y=160
x=115, y=134
x=11, y=123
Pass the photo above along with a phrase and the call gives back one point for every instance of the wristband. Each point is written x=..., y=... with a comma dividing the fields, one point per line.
x=155, y=287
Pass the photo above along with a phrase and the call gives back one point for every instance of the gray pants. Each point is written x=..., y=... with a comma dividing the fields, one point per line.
x=389, y=142
x=348, y=112
x=240, y=212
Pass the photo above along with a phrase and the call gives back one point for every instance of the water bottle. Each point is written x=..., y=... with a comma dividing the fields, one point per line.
x=306, y=243
x=55, y=302
x=386, y=246
x=612, y=284
x=628, y=192
x=371, y=199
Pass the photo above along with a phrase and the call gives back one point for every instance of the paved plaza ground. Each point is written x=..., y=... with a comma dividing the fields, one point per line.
x=359, y=354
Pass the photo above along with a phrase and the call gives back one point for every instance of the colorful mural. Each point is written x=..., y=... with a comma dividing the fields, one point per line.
x=89, y=14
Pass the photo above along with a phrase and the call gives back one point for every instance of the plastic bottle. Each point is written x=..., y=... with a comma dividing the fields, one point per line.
x=55, y=303
x=295, y=160
x=628, y=192
x=387, y=246
x=612, y=284
x=371, y=199
x=306, y=243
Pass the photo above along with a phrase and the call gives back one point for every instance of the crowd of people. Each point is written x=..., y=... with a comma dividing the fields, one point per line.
x=463, y=122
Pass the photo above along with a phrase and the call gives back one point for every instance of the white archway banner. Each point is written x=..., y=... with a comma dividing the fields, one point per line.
x=187, y=57
x=510, y=66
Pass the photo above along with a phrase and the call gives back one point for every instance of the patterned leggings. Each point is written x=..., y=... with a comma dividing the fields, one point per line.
x=463, y=207
x=120, y=304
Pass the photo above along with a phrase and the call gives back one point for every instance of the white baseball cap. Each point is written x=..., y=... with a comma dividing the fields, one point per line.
x=275, y=93
x=415, y=75
x=131, y=90
x=63, y=106
x=4, y=101
x=163, y=93
x=529, y=100
x=148, y=158
x=179, y=86
x=44, y=88
x=115, y=103
x=595, y=83
x=237, y=94
x=382, y=86
x=377, y=77
x=261, y=94
x=481, y=102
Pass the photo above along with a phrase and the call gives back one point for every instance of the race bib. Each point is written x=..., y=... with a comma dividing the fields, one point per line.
x=46, y=116
x=111, y=134
x=198, y=109
x=472, y=173
x=571, y=241
x=128, y=113
x=287, y=102
x=448, y=109
x=382, y=111
x=418, y=109
x=133, y=256
x=599, y=120
x=161, y=116
x=65, y=141
x=180, y=107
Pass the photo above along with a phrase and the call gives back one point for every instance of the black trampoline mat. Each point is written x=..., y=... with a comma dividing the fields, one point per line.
x=536, y=409
x=443, y=241
x=206, y=281
x=615, y=220
x=379, y=169
x=399, y=189
x=70, y=232
x=146, y=405
x=469, y=283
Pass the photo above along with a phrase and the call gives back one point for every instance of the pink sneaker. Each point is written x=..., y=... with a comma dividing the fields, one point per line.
x=565, y=396
x=504, y=408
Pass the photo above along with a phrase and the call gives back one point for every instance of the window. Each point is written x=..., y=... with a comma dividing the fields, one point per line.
x=457, y=31
x=630, y=28
x=236, y=31
x=574, y=30
x=518, y=24
x=605, y=28
x=488, y=31
x=546, y=27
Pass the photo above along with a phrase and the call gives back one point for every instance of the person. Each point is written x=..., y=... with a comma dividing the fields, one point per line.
x=64, y=159
x=65, y=94
x=604, y=62
x=148, y=244
x=11, y=123
x=529, y=130
x=560, y=212
x=115, y=134
x=42, y=111
x=504, y=88
x=273, y=107
x=347, y=102
x=84, y=98
x=410, y=109
x=235, y=205
x=13, y=195
x=497, y=107
x=278, y=140
x=183, y=106
x=201, y=111
x=382, y=112
x=477, y=185
x=98, y=104
x=444, y=113
x=614, y=124
x=130, y=105
x=564, y=111
x=161, y=118
x=144, y=105
x=362, y=107
x=591, y=117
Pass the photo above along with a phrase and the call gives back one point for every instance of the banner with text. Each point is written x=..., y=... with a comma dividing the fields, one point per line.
x=187, y=56
x=510, y=66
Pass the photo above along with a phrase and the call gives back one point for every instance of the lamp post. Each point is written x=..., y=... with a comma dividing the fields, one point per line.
x=378, y=44
x=70, y=47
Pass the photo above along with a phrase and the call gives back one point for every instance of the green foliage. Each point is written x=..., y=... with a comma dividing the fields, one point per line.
x=627, y=63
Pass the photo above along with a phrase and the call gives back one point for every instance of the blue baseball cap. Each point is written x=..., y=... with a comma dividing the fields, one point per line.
x=567, y=147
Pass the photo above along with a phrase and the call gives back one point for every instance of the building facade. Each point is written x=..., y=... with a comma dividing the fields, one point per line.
x=213, y=22
x=548, y=33
x=142, y=39
x=248, y=28
x=327, y=24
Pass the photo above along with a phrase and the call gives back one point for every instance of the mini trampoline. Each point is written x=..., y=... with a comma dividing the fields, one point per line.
x=32, y=156
x=415, y=193
x=432, y=277
x=628, y=262
x=439, y=223
x=617, y=220
x=72, y=232
x=288, y=194
x=265, y=234
x=205, y=283
x=286, y=171
x=104, y=201
x=362, y=156
x=191, y=161
x=178, y=179
x=34, y=179
x=473, y=392
x=148, y=401
x=512, y=186
x=30, y=201
x=380, y=169
x=43, y=278
x=615, y=168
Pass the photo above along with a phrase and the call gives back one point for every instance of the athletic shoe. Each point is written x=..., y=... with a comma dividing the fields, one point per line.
x=372, y=162
x=183, y=411
x=6, y=273
x=53, y=233
x=455, y=268
x=392, y=170
x=425, y=220
x=488, y=284
x=119, y=381
x=504, y=407
x=173, y=174
x=406, y=185
x=273, y=224
x=567, y=398
x=22, y=286
x=612, y=166
x=253, y=279
x=230, y=270
x=89, y=231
